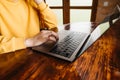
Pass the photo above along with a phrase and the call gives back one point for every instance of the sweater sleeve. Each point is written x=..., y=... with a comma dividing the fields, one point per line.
x=47, y=16
x=9, y=44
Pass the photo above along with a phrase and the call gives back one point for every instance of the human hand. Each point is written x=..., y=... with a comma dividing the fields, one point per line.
x=42, y=37
x=38, y=1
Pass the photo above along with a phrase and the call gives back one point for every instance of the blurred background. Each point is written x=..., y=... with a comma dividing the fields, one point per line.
x=69, y=11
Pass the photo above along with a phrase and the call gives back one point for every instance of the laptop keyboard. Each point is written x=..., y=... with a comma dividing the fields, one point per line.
x=67, y=46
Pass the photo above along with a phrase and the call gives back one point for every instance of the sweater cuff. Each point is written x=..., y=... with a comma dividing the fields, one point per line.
x=20, y=44
x=42, y=6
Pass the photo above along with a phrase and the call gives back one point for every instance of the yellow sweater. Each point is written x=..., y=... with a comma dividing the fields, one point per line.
x=20, y=20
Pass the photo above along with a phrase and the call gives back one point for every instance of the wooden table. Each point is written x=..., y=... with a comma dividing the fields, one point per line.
x=99, y=62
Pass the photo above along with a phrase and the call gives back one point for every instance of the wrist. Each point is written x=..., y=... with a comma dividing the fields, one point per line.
x=29, y=42
x=38, y=1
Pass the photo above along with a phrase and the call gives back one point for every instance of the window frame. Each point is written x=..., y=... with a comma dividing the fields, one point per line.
x=66, y=10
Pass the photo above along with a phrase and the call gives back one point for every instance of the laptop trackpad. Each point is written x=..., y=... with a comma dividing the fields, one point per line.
x=47, y=46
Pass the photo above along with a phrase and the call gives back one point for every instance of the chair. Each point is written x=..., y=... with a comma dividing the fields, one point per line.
x=114, y=17
x=111, y=18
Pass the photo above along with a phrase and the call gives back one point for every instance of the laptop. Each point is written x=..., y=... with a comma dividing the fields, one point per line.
x=72, y=44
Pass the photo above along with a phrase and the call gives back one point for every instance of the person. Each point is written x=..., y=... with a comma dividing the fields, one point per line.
x=21, y=22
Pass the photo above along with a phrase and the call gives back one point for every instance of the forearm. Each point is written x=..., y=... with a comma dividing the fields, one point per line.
x=47, y=16
x=42, y=37
x=49, y=19
x=31, y=42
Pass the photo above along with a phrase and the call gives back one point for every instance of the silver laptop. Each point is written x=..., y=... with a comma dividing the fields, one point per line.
x=72, y=44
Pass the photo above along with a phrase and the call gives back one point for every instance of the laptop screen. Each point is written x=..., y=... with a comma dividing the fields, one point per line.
x=95, y=35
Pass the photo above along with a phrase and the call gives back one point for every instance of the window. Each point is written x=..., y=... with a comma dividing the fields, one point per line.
x=69, y=11
x=84, y=15
x=81, y=2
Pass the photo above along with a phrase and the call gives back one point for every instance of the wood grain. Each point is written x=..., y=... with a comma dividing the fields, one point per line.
x=99, y=62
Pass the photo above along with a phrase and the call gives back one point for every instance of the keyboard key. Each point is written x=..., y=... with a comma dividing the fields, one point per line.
x=68, y=45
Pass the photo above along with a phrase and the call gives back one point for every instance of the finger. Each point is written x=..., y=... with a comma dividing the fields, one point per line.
x=55, y=35
x=46, y=31
x=51, y=38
